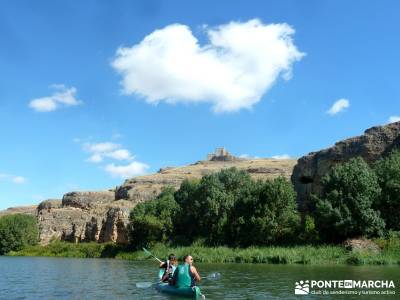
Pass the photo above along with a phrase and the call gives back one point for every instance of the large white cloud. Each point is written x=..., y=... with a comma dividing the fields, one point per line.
x=338, y=106
x=240, y=63
x=62, y=96
x=126, y=171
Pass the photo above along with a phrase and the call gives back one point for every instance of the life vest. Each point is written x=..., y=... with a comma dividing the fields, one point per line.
x=169, y=271
x=183, y=276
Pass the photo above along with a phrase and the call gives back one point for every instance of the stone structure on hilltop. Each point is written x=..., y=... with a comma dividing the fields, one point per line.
x=375, y=143
x=221, y=154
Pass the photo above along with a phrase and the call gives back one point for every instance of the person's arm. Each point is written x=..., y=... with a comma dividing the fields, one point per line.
x=163, y=265
x=195, y=273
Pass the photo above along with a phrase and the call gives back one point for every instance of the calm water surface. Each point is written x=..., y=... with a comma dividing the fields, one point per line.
x=71, y=278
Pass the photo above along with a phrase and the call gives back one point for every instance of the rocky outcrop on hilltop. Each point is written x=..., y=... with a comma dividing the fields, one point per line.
x=84, y=216
x=372, y=145
x=147, y=187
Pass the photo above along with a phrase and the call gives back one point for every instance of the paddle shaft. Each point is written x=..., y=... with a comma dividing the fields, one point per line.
x=151, y=254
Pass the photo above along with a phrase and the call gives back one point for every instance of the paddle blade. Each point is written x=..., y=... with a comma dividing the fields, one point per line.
x=143, y=285
x=214, y=276
x=147, y=252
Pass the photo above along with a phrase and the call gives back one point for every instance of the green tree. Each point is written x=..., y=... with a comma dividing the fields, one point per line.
x=151, y=221
x=265, y=213
x=344, y=210
x=185, y=227
x=17, y=231
x=388, y=172
x=206, y=205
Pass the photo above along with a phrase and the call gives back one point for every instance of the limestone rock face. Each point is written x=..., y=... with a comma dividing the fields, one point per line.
x=87, y=200
x=372, y=145
x=84, y=216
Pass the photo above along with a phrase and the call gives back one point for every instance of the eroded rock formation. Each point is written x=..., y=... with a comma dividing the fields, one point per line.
x=375, y=143
x=84, y=216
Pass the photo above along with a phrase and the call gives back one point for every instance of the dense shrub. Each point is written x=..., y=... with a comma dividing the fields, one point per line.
x=388, y=172
x=224, y=208
x=17, y=231
x=205, y=206
x=345, y=208
x=151, y=221
x=264, y=214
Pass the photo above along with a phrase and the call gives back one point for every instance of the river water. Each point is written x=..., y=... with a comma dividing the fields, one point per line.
x=71, y=278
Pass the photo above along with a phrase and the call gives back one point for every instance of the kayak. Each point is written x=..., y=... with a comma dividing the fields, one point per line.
x=188, y=292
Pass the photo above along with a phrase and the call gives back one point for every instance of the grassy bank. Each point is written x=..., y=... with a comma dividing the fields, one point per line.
x=315, y=255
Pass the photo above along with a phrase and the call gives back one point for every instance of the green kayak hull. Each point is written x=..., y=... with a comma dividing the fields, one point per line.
x=187, y=292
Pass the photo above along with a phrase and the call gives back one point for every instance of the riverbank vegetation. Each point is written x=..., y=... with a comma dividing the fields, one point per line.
x=17, y=232
x=229, y=217
x=307, y=254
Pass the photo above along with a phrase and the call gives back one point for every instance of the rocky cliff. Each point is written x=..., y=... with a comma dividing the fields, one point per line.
x=84, y=216
x=375, y=143
x=104, y=216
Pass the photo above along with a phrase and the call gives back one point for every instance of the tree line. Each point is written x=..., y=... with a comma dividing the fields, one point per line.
x=230, y=208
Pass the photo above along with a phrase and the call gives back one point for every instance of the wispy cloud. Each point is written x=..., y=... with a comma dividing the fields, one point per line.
x=61, y=97
x=107, y=149
x=393, y=119
x=126, y=171
x=99, y=152
x=338, y=106
x=247, y=156
x=12, y=178
x=281, y=156
x=241, y=62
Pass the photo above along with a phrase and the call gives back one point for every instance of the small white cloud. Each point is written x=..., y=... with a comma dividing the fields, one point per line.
x=62, y=96
x=133, y=169
x=111, y=150
x=338, y=106
x=120, y=154
x=101, y=147
x=247, y=156
x=393, y=119
x=116, y=136
x=241, y=62
x=13, y=178
x=282, y=156
x=107, y=150
x=95, y=158
x=19, y=179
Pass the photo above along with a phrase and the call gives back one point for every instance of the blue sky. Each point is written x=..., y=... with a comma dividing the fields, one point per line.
x=69, y=121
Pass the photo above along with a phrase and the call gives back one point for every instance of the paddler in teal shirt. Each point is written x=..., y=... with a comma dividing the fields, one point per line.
x=186, y=274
